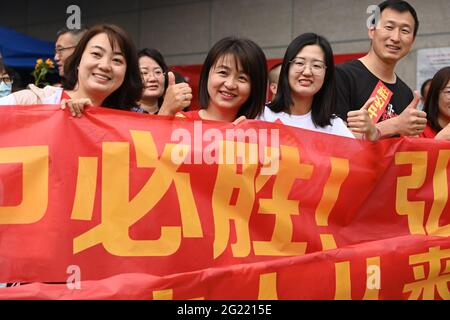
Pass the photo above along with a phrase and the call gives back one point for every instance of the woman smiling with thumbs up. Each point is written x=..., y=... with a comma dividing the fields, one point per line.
x=160, y=94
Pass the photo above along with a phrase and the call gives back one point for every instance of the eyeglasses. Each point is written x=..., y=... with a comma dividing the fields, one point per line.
x=60, y=50
x=6, y=80
x=317, y=67
x=446, y=93
x=157, y=73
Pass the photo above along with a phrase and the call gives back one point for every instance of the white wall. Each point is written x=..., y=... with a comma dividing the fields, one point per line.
x=184, y=30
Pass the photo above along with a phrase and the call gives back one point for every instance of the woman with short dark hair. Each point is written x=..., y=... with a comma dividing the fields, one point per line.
x=104, y=68
x=232, y=81
x=103, y=71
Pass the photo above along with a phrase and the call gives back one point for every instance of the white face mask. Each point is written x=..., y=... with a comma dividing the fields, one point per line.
x=5, y=89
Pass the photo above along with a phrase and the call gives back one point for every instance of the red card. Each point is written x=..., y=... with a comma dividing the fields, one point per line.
x=382, y=96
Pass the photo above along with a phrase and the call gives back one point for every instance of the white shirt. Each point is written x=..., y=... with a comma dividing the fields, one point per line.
x=34, y=95
x=304, y=121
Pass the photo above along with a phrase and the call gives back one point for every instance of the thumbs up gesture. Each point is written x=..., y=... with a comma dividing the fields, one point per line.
x=411, y=122
x=361, y=125
x=177, y=97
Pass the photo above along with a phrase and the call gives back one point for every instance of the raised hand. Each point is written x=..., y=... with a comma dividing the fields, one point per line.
x=177, y=97
x=411, y=122
x=359, y=122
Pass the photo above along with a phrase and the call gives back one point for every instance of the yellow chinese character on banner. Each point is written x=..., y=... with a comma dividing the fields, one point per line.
x=415, y=209
x=436, y=280
x=119, y=212
x=284, y=208
x=34, y=161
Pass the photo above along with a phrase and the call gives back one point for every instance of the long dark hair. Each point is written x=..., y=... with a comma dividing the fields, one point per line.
x=431, y=106
x=324, y=101
x=159, y=59
x=127, y=95
x=254, y=63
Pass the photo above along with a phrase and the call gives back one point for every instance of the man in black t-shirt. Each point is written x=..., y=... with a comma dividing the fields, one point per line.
x=392, y=38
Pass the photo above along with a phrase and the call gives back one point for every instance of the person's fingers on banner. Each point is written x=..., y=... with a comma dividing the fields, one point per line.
x=76, y=106
x=239, y=120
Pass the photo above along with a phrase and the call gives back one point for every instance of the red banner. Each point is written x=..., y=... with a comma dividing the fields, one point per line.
x=173, y=208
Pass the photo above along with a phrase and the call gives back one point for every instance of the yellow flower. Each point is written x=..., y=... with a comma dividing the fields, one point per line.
x=41, y=70
x=49, y=63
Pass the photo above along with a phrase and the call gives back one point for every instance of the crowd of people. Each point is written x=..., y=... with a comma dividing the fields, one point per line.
x=100, y=66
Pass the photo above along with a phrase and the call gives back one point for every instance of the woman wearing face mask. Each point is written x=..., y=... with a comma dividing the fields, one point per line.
x=6, y=81
x=232, y=82
x=103, y=71
x=306, y=96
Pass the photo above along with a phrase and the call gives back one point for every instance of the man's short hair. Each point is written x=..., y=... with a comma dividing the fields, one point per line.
x=77, y=33
x=401, y=6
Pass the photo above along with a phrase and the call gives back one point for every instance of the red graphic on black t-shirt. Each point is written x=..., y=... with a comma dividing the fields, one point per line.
x=389, y=113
